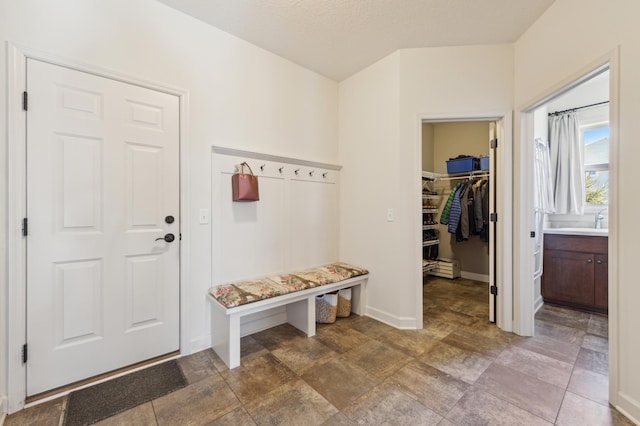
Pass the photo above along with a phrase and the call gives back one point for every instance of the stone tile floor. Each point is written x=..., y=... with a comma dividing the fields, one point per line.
x=458, y=370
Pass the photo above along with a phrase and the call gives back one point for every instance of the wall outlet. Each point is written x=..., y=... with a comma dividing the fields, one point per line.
x=390, y=215
x=203, y=216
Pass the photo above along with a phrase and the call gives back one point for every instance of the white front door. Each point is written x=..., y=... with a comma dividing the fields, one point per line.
x=102, y=181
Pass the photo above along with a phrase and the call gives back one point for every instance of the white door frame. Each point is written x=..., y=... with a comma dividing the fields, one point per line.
x=16, y=202
x=523, y=267
x=504, y=202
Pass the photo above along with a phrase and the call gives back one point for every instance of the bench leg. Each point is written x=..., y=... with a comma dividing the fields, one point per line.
x=225, y=337
x=302, y=315
x=358, y=299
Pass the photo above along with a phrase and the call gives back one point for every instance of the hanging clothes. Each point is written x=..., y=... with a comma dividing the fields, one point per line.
x=444, y=217
x=484, y=234
x=456, y=211
x=464, y=212
x=477, y=208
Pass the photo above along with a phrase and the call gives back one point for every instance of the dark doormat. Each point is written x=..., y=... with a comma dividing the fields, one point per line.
x=103, y=400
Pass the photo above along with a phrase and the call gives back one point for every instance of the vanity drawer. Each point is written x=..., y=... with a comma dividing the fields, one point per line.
x=579, y=243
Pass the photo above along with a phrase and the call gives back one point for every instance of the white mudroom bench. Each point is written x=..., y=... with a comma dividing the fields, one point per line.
x=296, y=291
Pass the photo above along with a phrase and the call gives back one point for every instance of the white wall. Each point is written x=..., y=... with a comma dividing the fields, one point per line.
x=380, y=150
x=369, y=138
x=569, y=36
x=239, y=96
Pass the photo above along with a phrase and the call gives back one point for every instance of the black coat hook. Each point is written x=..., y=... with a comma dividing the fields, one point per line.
x=324, y=175
x=262, y=168
x=280, y=169
x=296, y=171
x=311, y=173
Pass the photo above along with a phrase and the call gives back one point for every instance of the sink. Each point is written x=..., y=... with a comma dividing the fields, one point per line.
x=602, y=232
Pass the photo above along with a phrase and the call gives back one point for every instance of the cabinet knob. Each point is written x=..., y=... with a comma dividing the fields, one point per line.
x=589, y=260
x=599, y=262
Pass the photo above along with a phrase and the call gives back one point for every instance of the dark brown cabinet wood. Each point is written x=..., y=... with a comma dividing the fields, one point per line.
x=575, y=271
x=602, y=281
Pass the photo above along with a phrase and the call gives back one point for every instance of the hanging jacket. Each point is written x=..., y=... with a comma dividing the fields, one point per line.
x=444, y=217
x=477, y=204
x=464, y=210
x=485, y=212
x=456, y=211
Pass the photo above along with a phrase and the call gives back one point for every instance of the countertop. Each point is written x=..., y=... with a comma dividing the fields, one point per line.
x=593, y=232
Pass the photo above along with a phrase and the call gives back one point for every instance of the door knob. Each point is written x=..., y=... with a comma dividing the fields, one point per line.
x=168, y=238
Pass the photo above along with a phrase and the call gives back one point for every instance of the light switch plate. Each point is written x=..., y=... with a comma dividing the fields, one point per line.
x=390, y=215
x=203, y=216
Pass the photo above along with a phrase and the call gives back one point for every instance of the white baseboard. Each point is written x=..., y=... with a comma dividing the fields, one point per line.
x=3, y=408
x=402, y=323
x=629, y=407
x=473, y=276
x=538, y=304
x=199, y=344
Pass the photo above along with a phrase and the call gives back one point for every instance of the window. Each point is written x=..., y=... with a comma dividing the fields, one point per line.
x=596, y=163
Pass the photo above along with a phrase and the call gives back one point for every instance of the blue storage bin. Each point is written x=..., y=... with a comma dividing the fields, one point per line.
x=484, y=163
x=462, y=165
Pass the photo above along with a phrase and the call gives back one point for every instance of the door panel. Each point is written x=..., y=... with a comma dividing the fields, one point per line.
x=102, y=173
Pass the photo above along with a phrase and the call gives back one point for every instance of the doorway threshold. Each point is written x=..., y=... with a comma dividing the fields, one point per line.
x=80, y=384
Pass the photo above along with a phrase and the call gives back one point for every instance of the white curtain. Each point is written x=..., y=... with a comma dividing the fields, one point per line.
x=544, y=194
x=543, y=199
x=567, y=170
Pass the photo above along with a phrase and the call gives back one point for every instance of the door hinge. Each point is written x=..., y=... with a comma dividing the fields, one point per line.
x=493, y=217
x=532, y=234
x=494, y=143
x=493, y=289
x=25, y=227
x=25, y=354
x=25, y=101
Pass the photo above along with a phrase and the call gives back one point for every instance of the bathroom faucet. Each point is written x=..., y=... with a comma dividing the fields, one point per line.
x=599, y=218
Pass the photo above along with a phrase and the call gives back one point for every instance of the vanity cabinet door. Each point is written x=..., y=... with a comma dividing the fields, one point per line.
x=569, y=276
x=601, y=281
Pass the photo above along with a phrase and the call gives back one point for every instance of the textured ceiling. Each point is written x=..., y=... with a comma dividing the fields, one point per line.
x=338, y=38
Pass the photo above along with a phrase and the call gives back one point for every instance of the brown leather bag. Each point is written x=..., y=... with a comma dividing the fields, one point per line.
x=245, y=186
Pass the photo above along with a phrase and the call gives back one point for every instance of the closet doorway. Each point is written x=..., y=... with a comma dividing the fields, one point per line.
x=459, y=213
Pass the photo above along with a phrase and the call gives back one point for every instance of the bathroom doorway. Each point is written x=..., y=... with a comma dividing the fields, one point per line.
x=561, y=234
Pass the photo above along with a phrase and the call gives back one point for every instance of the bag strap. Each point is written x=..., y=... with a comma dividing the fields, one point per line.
x=244, y=163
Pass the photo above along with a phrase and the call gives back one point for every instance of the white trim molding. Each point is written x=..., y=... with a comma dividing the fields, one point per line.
x=523, y=294
x=274, y=158
x=16, y=210
x=504, y=203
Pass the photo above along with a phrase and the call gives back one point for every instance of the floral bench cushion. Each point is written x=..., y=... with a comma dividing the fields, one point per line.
x=240, y=293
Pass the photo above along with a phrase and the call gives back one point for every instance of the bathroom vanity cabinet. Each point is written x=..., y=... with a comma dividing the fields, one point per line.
x=575, y=271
